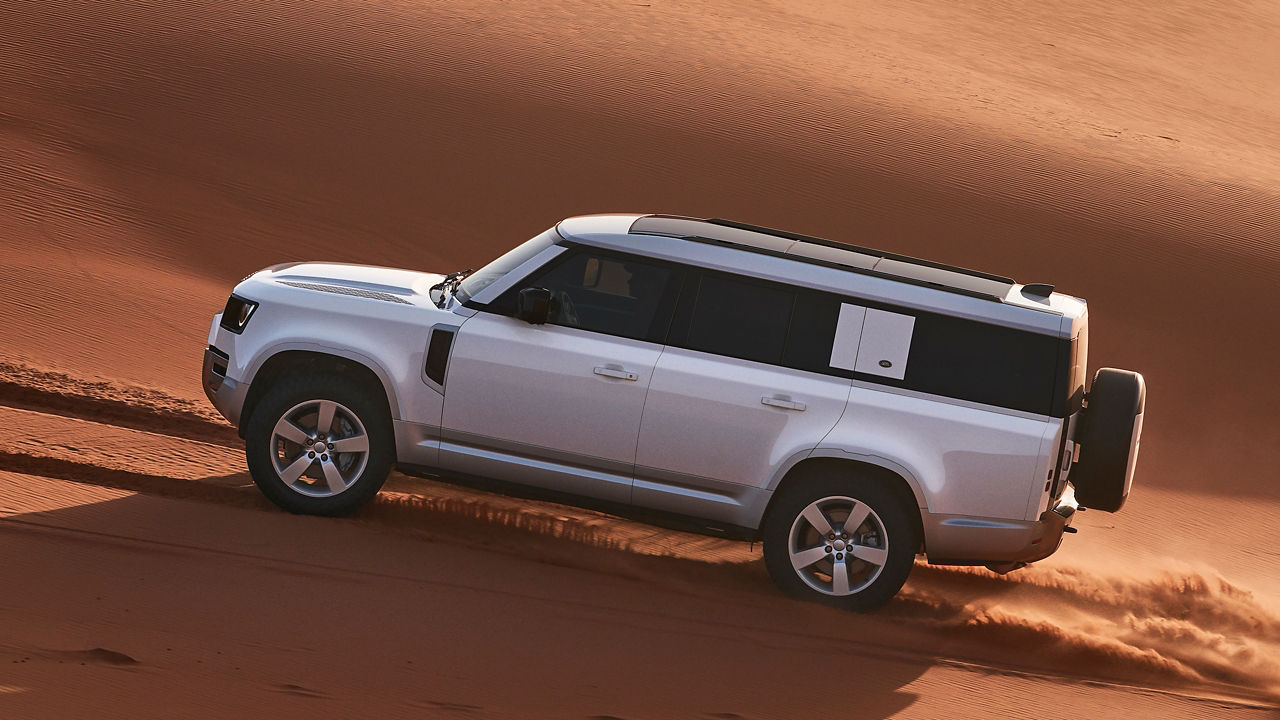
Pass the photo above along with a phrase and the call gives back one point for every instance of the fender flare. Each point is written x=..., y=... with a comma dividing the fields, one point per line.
x=347, y=353
x=913, y=482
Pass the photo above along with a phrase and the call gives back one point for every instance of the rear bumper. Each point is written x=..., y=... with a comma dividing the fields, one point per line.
x=226, y=394
x=964, y=540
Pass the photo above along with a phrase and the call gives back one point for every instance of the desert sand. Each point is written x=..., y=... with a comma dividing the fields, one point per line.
x=153, y=153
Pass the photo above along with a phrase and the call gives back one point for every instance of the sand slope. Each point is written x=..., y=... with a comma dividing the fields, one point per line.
x=321, y=618
x=152, y=153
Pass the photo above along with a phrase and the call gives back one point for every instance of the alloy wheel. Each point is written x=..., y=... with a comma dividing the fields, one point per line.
x=838, y=545
x=319, y=448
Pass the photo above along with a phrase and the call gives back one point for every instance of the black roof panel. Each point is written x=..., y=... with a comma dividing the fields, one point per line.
x=805, y=248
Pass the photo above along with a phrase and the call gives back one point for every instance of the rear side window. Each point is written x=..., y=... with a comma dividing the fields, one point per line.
x=983, y=363
x=740, y=318
x=916, y=350
x=813, y=326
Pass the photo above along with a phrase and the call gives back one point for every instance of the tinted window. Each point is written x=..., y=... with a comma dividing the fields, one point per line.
x=948, y=356
x=813, y=328
x=983, y=363
x=740, y=318
x=606, y=293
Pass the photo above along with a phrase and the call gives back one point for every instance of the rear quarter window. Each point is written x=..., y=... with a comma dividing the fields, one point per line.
x=983, y=363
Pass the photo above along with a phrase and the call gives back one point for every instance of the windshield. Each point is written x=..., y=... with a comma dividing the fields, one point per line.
x=489, y=274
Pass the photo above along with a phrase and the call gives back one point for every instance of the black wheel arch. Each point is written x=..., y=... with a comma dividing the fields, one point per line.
x=814, y=466
x=296, y=362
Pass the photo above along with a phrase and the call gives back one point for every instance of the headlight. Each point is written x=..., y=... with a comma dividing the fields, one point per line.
x=237, y=313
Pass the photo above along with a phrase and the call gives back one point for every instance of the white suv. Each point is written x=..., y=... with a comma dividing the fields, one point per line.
x=851, y=407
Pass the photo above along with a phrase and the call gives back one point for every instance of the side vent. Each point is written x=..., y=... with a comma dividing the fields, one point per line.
x=349, y=291
x=438, y=354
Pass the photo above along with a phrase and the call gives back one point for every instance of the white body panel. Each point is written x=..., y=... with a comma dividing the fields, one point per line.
x=730, y=420
x=886, y=340
x=386, y=336
x=966, y=459
x=844, y=349
x=546, y=390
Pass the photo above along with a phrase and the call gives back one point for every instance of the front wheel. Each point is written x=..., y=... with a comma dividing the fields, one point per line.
x=847, y=541
x=319, y=445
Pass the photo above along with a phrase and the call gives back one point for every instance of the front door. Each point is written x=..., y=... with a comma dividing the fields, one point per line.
x=559, y=405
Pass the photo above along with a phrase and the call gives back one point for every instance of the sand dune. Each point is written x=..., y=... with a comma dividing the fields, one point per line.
x=152, y=153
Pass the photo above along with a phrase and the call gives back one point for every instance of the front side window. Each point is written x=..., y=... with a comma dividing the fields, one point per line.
x=607, y=293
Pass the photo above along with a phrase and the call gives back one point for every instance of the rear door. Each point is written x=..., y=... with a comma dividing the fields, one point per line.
x=559, y=405
x=728, y=403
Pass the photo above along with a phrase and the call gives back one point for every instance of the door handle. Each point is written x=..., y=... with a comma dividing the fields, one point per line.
x=616, y=372
x=784, y=403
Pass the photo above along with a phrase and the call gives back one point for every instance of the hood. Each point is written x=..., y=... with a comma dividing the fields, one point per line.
x=407, y=285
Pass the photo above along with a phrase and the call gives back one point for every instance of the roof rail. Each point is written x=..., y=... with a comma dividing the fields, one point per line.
x=847, y=268
x=858, y=248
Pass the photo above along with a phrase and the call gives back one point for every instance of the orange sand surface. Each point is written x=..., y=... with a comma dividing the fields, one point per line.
x=153, y=153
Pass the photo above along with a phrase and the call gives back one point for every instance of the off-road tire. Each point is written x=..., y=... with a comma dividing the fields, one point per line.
x=1117, y=399
x=263, y=444
x=890, y=512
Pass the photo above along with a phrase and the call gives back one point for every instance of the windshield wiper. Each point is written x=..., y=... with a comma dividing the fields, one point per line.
x=449, y=284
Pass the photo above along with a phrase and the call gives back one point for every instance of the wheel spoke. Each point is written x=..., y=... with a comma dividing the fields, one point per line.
x=802, y=559
x=291, y=432
x=818, y=520
x=324, y=421
x=856, y=517
x=355, y=443
x=873, y=555
x=333, y=477
x=291, y=474
x=840, y=578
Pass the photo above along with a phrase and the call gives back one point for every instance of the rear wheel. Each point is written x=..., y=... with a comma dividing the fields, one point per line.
x=319, y=445
x=844, y=540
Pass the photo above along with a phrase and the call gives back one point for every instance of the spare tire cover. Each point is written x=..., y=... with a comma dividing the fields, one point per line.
x=1108, y=436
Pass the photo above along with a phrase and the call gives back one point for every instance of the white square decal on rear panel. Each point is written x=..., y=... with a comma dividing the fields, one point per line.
x=886, y=342
x=844, y=351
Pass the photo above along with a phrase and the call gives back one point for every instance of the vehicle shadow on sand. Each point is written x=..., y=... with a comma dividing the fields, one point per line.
x=499, y=620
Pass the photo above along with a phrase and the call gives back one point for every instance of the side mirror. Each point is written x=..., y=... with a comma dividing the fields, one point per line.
x=533, y=305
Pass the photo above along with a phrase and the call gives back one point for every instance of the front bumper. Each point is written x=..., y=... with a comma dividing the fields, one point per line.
x=963, y=540
x=226, y=394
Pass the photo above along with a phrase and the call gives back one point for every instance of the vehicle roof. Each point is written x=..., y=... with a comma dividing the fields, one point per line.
x=829, y=265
